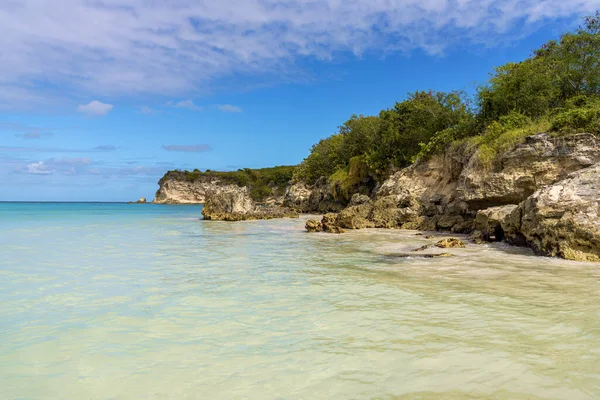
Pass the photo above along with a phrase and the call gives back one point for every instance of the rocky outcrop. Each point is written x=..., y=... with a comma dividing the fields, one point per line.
x=562, y=219
x=176, y=191
x=541, y=160
x=233, y=203
x=142, y=200
x=488, y=222
x=318, y=198
x=531, y=195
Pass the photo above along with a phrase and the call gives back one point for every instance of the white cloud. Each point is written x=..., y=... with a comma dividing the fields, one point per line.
x=183, y=47
x=186, y=104
x=64, y=166
x=95, y=108
x=39, y=168
x=229, y=108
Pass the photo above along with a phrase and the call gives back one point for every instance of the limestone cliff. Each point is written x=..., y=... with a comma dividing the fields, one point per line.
x=533, y=190
x=266, y=185
x=175, y=191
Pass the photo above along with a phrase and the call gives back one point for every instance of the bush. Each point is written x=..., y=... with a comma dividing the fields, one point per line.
x=581, y=114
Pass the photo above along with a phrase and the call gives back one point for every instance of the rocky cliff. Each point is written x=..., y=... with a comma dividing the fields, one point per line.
x=543, y=193
x=176, y=191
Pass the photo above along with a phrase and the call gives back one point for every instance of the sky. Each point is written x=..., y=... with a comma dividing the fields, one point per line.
x=99, y=98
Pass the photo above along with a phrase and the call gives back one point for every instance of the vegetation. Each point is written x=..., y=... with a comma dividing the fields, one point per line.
x=261, y=182
x=556, y=90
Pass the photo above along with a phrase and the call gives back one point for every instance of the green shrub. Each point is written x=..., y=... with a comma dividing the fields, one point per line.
x=586, y=119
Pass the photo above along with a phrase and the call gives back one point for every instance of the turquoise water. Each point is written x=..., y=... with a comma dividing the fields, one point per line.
x=116, y=301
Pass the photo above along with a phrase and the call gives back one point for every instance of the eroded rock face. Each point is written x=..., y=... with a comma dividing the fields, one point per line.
x=317, y=198
x=488, y=222
x=541, y=160
x=234, y=204
x=562, y=219
x=173, y=191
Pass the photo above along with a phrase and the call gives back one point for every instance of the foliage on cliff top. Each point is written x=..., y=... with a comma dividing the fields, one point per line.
x=262, y=182
x=557, y=89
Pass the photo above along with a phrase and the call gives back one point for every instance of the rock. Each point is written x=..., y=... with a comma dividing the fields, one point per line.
x=355, y=217
x=489, y=222
x=233, y=203
x=358, y=199
x=334, y=229
x=313, y=225
x=407, y=255
x=446, y=222
x=451, y=243
x=142, y=200
x=330, y=223
x=423, y=248
x=419, y=234
x=477, y=237
x=562, y=219
x=297, y=196
x=541, y=160
x=429, y=237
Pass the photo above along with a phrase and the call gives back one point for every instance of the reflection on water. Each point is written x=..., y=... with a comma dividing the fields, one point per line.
x=115, y=302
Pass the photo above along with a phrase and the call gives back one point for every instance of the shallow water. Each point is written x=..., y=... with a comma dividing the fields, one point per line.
x=115, y=301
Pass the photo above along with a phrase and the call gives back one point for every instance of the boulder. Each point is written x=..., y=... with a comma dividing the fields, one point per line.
x=450, y=243
x=313, y=225
x=562, y=219
x=356, y=217
x=489, y=222
x=142, y=200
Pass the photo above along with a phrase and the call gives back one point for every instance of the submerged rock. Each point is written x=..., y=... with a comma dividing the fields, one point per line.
x=451, y=243
x=423, y=248
x=562, y=219
x=407, y=255
x=313, y=225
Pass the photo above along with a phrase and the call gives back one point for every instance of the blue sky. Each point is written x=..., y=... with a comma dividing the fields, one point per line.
x=99, y=99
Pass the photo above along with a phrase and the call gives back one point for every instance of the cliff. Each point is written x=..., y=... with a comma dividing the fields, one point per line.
x=543, y=193
x=185, y=187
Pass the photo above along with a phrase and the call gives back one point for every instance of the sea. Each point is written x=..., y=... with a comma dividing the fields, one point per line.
x=128, y=301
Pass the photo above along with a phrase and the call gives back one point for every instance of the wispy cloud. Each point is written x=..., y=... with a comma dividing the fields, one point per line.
x=195, y=148
x=148, y=110
x=95, y=108
x=229, y=108
x=65, y=166
x=31, y=135
x=105, y=148
x=23, y=149
x=26, y=131
x=180, y=48
x=186, y=104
